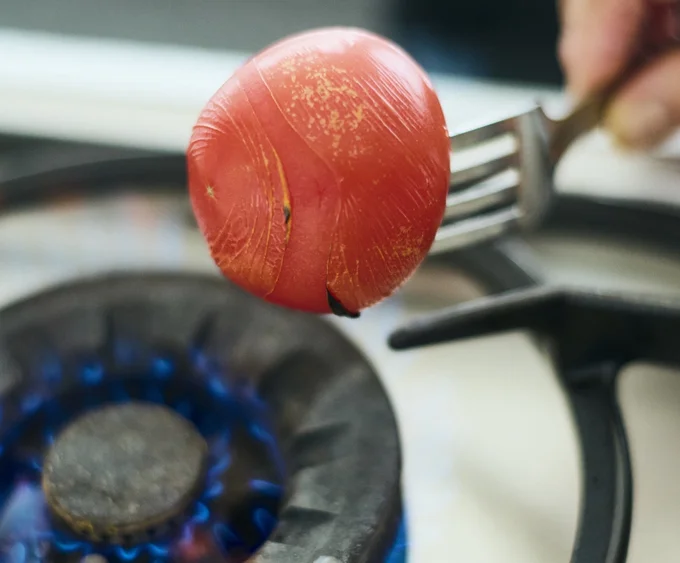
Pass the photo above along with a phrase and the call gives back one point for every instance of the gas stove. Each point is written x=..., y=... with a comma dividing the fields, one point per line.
x=284, y=443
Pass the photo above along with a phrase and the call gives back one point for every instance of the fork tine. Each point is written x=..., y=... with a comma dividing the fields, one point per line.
x=483, y=171
x=473, y=136
x=473, y=230
x=493, y=191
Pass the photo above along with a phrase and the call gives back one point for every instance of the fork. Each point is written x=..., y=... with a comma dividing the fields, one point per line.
x=515, y=189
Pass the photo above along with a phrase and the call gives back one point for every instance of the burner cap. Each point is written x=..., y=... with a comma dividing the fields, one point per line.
x=122, y=472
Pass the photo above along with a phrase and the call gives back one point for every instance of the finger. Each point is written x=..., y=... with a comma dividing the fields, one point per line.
x=663, y=25
x=647, y=110
x=598, y=38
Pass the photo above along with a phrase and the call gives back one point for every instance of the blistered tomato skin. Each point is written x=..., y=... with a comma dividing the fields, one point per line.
x=318, y=173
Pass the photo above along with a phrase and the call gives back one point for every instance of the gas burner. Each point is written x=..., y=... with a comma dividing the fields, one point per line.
x=172, y=418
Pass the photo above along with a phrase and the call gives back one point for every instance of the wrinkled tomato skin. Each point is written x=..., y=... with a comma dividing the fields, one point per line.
x=320, y=171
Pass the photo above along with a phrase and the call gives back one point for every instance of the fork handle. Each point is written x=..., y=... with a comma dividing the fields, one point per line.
x=585, y=117
x=588, y=114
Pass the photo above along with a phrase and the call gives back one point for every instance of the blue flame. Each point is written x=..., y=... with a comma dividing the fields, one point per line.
x=67, y=545
x=202, y=514
x=225, y=536
x=31, y=403
x=264, y=521
x=162, y=367
x=24, y=518
x=267, y=488
x=203, y=363
x=214, y=490
x=397, y=553
x=260, y=433
x=218, y=387
x=158, y=550
x=129, y=553
x=219, y=467
x=93, y=373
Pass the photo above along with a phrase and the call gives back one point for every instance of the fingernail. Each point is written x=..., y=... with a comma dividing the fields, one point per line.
x=639, y=125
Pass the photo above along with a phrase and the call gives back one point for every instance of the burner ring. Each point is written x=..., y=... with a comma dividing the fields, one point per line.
x=122, y=472
x=309, y=457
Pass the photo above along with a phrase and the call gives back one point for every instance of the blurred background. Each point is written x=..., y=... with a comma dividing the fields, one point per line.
x=510, y=40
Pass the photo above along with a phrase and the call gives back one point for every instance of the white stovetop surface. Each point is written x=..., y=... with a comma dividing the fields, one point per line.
x=491, y=464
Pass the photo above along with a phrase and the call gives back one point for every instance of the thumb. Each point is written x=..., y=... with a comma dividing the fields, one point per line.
x=598, y=38
x=647, y=109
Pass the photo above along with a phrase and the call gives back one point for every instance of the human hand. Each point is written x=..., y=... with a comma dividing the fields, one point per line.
x=601, y=37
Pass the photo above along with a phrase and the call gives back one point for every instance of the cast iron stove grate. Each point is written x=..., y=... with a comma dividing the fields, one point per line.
x=172, y=418
x=592, y=336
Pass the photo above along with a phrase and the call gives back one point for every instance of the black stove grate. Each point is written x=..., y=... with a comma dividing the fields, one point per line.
x=592, y=336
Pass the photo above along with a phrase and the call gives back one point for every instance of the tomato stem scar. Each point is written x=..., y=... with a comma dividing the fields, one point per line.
x=337, y=308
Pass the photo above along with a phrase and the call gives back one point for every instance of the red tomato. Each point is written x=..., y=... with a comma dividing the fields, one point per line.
x=318, y=173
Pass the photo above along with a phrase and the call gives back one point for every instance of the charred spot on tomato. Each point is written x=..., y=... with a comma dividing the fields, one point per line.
x=338, y=308
x=286, y=214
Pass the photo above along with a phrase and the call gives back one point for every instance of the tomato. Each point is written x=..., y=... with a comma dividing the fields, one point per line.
x=318, y=173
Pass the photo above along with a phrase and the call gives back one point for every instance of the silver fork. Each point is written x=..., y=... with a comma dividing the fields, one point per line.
x=514, y=189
